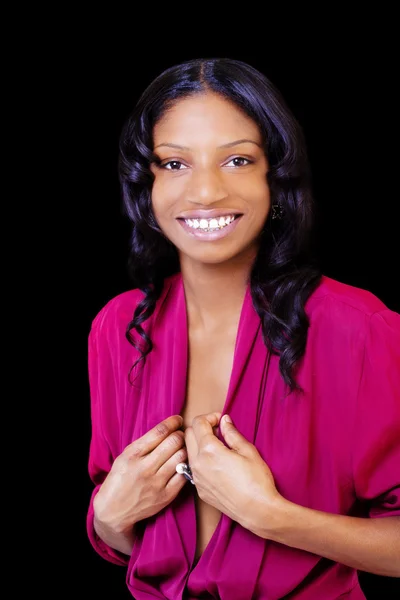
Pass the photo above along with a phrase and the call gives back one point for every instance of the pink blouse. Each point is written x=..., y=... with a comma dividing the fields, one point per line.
x=336, y=448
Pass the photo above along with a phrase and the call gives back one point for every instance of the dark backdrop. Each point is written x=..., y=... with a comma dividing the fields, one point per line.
x=344, y=97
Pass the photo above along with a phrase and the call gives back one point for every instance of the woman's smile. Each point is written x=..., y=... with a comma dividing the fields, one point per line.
x=211, y=228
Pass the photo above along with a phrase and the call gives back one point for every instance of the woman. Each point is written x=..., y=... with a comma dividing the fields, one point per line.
x=245, y=408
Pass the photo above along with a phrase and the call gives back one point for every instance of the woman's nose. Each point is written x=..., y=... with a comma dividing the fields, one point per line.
x=205, y=187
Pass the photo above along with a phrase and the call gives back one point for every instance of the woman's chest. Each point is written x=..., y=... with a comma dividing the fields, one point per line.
x=303, y=437
x=208, y=376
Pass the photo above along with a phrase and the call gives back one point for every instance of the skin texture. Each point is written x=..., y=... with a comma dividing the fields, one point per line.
x=232, y=479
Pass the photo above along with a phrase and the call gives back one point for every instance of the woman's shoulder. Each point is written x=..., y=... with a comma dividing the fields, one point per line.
x=118, y=311
x=339, y=307
x=119, y=308
x=347, y=297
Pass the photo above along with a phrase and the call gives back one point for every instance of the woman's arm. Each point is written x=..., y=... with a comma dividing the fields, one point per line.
x=370, y=544
x=236, y=480
x=122, y=542
x=366, y=544
x=100, y=454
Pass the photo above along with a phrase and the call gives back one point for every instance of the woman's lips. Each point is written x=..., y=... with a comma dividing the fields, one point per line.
x=209, y=213
x=210, y=236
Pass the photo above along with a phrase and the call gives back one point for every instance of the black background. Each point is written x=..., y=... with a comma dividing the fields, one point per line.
x=338, y=77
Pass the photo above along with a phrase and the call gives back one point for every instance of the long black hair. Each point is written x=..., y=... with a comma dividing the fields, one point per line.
x=285, y=271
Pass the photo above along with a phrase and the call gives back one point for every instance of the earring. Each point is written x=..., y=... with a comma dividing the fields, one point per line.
x=277, y=211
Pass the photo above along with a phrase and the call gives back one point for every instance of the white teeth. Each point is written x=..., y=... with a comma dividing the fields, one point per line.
x=210, y=224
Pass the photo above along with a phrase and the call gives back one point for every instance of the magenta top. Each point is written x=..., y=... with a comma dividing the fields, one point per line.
x=334, y=449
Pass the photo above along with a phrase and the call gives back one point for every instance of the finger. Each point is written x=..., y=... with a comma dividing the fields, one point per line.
x=191, y=444
x=150, y=440
x=168, y=469
x=174, y=442
x=235, y=440
x=175, y=484
x=203, y=425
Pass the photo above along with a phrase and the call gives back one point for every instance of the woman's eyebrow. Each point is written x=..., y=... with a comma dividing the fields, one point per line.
x=228, y=145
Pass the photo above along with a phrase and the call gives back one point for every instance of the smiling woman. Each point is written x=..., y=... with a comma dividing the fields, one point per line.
x=245, y=407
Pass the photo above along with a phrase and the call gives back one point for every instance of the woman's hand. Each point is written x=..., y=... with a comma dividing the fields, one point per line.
x=235, y=480
x=143, y=479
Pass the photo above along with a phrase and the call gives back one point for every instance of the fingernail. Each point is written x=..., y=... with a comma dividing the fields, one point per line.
x=227, y=419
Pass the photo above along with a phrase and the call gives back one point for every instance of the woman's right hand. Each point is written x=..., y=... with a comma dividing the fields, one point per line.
x=142, y=479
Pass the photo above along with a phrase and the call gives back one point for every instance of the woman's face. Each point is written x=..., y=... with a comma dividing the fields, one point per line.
x=210, y=195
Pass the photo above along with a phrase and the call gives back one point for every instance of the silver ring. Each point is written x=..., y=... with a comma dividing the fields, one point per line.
x=184, y=469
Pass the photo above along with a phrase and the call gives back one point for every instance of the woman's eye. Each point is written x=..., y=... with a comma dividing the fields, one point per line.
x=239, y=161
x=173, y=165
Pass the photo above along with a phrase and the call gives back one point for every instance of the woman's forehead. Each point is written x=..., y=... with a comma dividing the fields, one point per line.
x=207, y=115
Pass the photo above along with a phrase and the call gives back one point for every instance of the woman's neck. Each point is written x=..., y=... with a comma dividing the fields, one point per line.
x=214, y=293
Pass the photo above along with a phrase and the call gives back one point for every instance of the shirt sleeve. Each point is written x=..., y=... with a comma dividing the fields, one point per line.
x=100, y=454
x=376, y=454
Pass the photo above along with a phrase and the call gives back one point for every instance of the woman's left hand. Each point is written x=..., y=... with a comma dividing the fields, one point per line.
x=235, y=480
